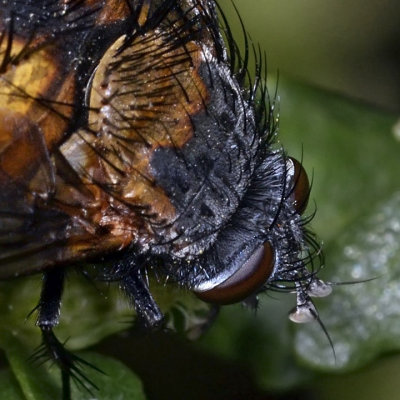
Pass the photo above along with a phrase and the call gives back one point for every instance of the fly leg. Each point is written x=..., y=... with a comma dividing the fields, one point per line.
x=135, y=286
x=52, y=349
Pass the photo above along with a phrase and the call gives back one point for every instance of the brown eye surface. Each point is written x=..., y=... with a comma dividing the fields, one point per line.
x=250, y=277
x=301, y=189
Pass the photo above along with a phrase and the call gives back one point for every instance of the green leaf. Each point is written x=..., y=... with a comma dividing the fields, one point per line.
x=35, y=381
x=43, y=382
x=350, y=149
x=117, y=382
x=9, y=388
x=362, y=319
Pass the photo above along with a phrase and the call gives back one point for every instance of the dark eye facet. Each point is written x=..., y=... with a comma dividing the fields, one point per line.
x=301, y=185
x=247, y=280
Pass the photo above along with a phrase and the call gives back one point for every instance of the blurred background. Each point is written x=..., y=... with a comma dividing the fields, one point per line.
x=352, y=47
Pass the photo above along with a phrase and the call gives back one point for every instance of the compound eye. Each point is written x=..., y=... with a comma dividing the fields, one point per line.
x=244, y=282
x=301, y=185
